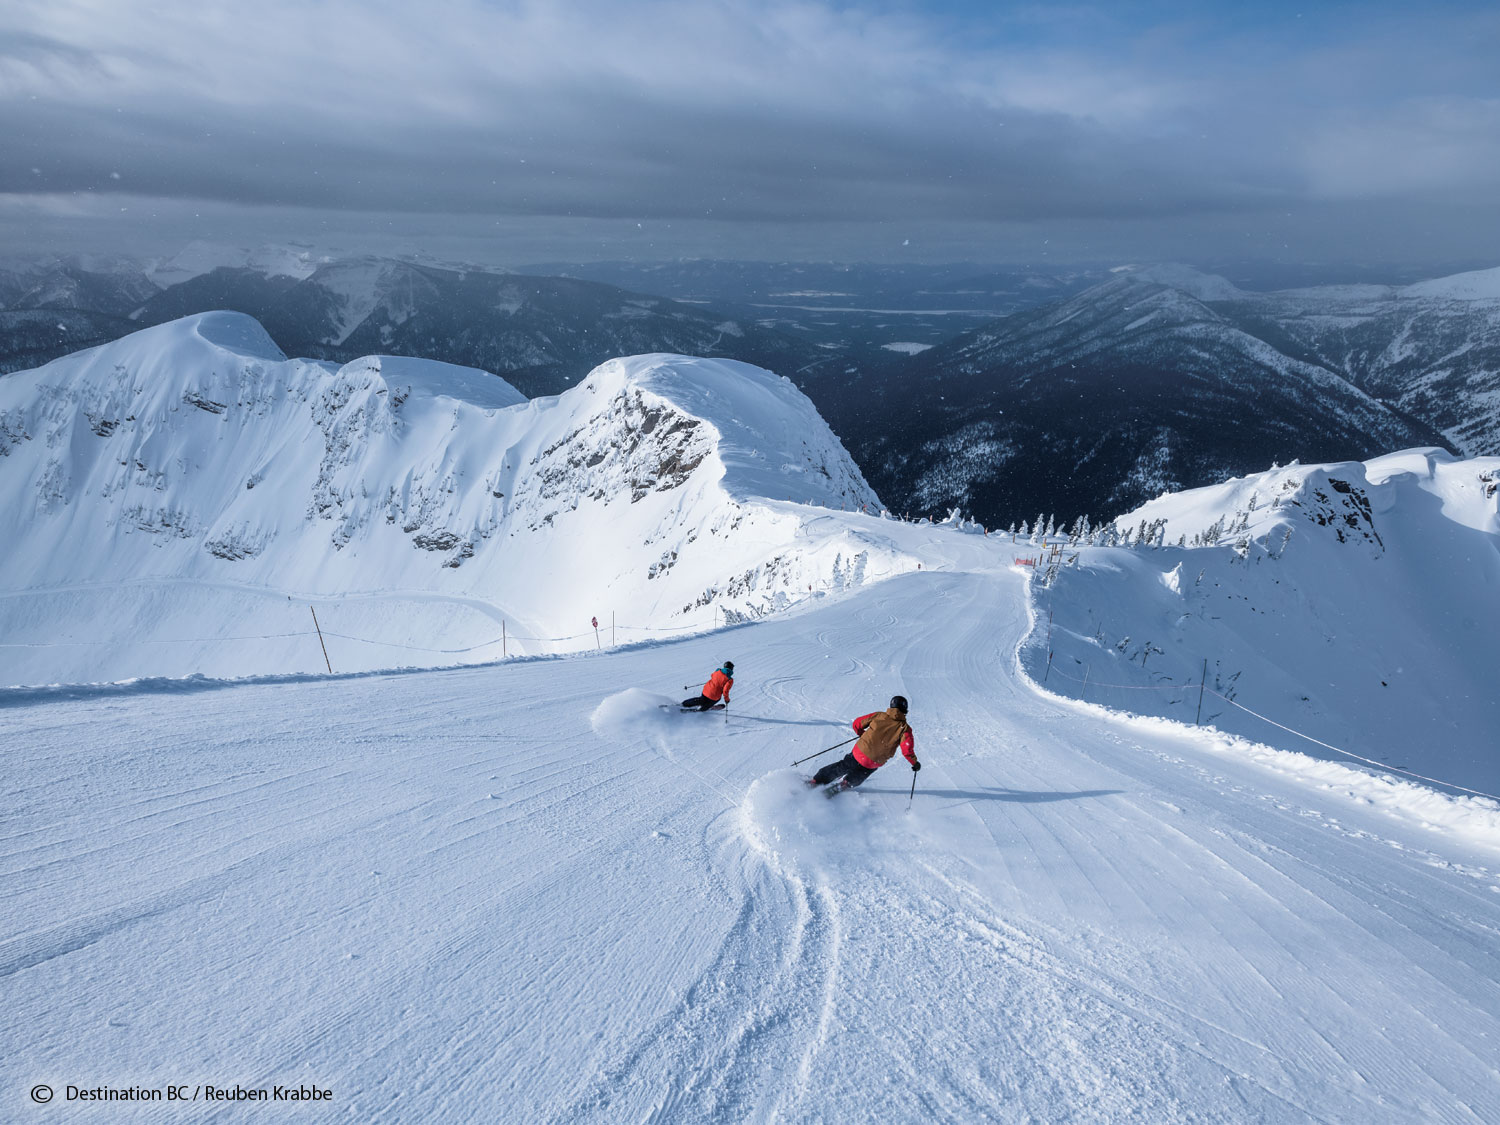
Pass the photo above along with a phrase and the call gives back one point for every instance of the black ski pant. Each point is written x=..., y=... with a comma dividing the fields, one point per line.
x=846, y=767
x=702, y=702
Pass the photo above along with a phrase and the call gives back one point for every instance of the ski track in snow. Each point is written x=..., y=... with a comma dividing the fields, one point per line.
x=448, y=896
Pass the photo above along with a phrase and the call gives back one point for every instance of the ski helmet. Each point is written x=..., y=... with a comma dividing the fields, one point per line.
x=899, y=703
x=729, y=666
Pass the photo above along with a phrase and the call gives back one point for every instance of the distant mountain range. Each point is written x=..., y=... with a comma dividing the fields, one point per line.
x=542, y=333
x=1163, y=379
x=1096, y=392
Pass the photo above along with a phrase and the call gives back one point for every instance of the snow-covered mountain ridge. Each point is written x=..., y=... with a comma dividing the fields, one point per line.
x=1350, y=602
x=174, y=488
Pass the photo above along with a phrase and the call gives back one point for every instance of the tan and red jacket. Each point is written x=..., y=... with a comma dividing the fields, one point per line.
x=881, y=734
x=718, y=686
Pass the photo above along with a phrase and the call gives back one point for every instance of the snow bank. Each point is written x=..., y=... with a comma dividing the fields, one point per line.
x=1474, y=819
x=1348, y=602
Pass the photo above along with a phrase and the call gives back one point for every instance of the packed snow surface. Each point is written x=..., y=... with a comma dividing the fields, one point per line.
x=535, y=891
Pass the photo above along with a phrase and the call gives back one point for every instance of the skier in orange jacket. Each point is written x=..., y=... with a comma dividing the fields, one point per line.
x=717, y=688
x=881, y=734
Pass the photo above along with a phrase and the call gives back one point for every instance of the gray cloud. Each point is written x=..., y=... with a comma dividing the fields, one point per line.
x=794, y=115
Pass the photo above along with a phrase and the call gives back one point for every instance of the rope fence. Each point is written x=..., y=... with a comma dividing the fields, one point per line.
x=1187, y=687
x=498, y=640
x=720, y=615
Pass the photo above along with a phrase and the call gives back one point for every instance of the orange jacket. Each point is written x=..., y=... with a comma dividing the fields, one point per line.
x=718, y=686
x=880, y=734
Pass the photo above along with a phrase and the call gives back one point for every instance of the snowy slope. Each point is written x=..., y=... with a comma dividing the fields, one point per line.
x=180, y=497
x=1432, y=350
x=519, y=893
x=1183, y=278
x=1478, y=285
x=68, y=286
x=356, y=287
x=1351, y=602
x=199, y=257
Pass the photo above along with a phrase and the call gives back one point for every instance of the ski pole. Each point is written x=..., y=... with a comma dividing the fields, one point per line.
x=912, y=795
x=820, y=753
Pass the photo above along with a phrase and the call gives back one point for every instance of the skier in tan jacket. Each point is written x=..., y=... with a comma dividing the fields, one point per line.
x=881, y=734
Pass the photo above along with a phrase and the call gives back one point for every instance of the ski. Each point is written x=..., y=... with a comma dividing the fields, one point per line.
x=831, y=790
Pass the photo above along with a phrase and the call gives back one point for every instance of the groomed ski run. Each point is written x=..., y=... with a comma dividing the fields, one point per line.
x=520, y=892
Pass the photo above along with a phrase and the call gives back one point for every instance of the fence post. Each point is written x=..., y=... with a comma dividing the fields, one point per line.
x=1198, y=718
x=504, y=647
x=324, y=647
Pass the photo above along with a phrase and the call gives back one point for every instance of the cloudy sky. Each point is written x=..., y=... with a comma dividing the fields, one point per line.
x=882, y=131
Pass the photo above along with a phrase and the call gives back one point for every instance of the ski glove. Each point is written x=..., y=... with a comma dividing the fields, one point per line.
x=915, y=766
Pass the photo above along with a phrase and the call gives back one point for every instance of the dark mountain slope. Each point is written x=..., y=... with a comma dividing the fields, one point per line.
x=1430, y=354
x=1100, y=402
